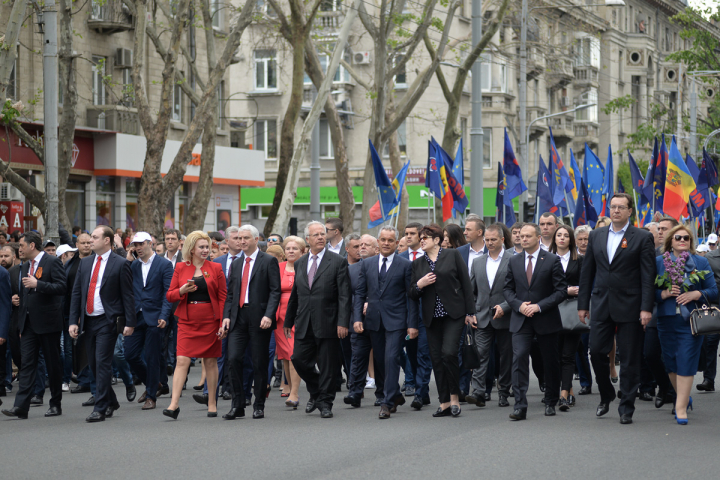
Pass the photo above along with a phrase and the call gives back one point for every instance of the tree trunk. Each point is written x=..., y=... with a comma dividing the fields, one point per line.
x=67, y=118
x=198, y=206
x=8, y=52
x=396, y=164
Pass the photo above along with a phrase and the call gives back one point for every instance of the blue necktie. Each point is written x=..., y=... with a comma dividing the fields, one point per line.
x=383, y=272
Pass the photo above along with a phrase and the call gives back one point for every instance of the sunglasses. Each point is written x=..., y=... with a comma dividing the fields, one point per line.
x=712, y=244
x=684, y=238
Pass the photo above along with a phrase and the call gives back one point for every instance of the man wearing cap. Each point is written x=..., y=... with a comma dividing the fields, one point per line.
x=70, y=259
x=152, y=275
x=49, y=247
x=712, y=241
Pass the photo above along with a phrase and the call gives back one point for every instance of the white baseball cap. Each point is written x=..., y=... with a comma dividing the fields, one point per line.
x=141, y=237
x=63, y=249
x=703, y=248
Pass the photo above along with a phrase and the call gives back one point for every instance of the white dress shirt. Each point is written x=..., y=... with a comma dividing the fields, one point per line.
x=492, y=266
x=387, y=264
x=229, y=261
x=252, y=258
x=98, y=308
x=173, y=259
x=319, y=259
x=336, y=249
x=146, y=268
x=34, y=266
x=472, y=255
x=564, y=259
x=416, y=253
x=543, y=246
x=532, y=257
x=614, y=239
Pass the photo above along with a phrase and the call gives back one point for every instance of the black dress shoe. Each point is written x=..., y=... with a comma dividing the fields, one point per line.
x=201, y=398
x=90, y=402
x=417, y=403
x=16, y=412
x=571, y=400
x=198, y=388
x=326, y=412
x=248, y=401
x=384, y=412
x=111, y=409
x=706, y=386
x=80, y=389
x=352, y=400
x=227, y=396
x=311, y=406
x=169, y=370
x=163, y=390
x=426, y=400
x=130, y=393
x=660, y=400
x=113, y=381
x=172, y=413
x=585, y=391
x=95, y=417
x=455, y=410
x=488, y=397
x=646, y=397
x=36, y=400
x=234, y=413
x=549, y=411
x=378, y=402
x=473, y=397
x=625, y=420
x=442, y=413
x=480, y=401
x=74, y=379
x=518, y=414
x=503, y=402
x=602, y=409
x=258, y=413
x=564, y=405
x=53, y=412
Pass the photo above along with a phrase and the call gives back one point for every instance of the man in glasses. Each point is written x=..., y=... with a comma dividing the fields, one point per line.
x=334, y=227
x=274, y=239
x=712, y=241
x=619, y=271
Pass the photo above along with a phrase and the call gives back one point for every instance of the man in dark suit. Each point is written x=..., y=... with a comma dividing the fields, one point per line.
x=320, y=309
x=13, y=338
x=335, y=242
x=619, y=272
x=40, y=323
x=173, y=252
x=5, y=312
x=389, y=315
x=102, y=301
x=492, y=319
x=710, y=342
x=249, y=319
x=151, y=275
x=534, y=287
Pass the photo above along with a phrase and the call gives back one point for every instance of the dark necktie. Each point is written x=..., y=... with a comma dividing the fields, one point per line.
x=383, y=272
x=232, y=259
x=529, y=269
x=313, y=270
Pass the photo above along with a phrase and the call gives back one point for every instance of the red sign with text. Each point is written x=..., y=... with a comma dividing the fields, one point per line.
x=11, y=216
x=83, y=157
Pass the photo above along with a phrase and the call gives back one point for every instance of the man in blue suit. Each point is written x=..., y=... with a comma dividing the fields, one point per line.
x=152, y=275
x=383, y=283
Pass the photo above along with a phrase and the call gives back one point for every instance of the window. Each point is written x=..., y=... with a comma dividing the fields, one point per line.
x=75, y=202
x=493, y=75
x=105, y=201
x=177, y=105
x=263, y=6
x=132, y=215
x=402, y=142
x=216, y=14
x=127, y=93
x=487, y=148
x=587, y=52
x=341, y=75
x=98, y=71
x=331, y=5
x=266, y=70
x=326, y=145
x=220, y=104
x=588, y=114
x=266, y=138
x=401, y=77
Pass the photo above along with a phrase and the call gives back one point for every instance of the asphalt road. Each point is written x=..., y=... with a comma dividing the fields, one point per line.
x=288, y=445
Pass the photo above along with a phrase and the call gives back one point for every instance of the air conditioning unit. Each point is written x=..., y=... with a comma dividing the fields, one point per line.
x=565, y=101
x=123, y=58
x=9, y=193
x=361, y=58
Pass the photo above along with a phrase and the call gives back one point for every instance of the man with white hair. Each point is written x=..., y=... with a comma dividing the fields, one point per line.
x=368, y=246
x=320, y=309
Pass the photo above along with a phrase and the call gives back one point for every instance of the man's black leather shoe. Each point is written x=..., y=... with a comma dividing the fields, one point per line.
x=130, y=392
x=585, y=391
x=311, y=406
x=53, y=412
x=426, y=400
x=417, y=403
x=201, y=398
x=16, y=412
x=602, y=409
x=352, y=400
x=518, y=414
x=234, y=413
x=706, y=386
x=36, y=400
x=646, y=397
x=480, y=401
x=378, y=402
x=488, y=397
x=473, y=397
x=95, y=417
x=503, y=402
x=163, y=390
x=227, y=396
x=542, y=387
x=90, y=402
x=111, y=409
x=625, y=420
x=248, y=401
x=259, y=414
x=326, y=413
x=80, y=389
x=549, y=411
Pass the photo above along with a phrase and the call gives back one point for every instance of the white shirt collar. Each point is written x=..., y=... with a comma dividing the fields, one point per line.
x=253, y=256
x=534, y=254
x=105, y=255
x=622, y=230
x=319, y=255
x=565, y=257
x=37, y=258
x=389, y=258
x=167, y=255
x=149, y=262
x=502, y=252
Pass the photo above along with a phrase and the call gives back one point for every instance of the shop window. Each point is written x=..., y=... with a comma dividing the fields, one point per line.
x=105, y=201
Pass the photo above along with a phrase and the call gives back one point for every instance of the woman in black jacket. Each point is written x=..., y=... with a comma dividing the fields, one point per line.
x=440, y=278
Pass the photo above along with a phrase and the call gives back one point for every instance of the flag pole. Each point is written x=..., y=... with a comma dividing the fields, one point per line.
x=637, y=209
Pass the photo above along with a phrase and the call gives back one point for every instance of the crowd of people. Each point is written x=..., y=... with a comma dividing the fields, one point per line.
x=477, y=306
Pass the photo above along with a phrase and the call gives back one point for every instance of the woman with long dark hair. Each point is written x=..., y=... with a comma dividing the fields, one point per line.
x=453, y=236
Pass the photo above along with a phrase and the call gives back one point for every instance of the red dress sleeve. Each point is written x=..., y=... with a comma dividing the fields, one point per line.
x=173, y=293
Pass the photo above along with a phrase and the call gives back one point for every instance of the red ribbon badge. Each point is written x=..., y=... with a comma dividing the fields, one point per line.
x=624, y=243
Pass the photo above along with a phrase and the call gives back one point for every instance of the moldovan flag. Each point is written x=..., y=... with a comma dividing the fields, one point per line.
x=679, y=184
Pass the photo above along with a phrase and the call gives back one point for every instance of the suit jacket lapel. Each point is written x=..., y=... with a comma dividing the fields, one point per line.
x=258, y=260
x=481, y=271
x=626, y=239
x=153, y=269
x=110, y=261
x=538, y=264
x=499, y=283
x=390, y=272
x=321, y=268
x=602, y=238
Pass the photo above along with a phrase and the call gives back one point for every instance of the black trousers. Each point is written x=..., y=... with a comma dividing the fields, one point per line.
x=309, y=351
x=100, y=339
x=654, y=361
x=630, y=342
x=30, y=345
x=443, y=339
x=569, y=342
x=14, y=345
x=242, y=335
x=362, y=344
x=548, y=346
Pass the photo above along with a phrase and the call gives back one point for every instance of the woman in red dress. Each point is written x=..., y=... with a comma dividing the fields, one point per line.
x=294, y=249
x=199, y=285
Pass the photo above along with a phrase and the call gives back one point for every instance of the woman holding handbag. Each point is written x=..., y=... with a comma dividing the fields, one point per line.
x=687, y=283
x=563, y=245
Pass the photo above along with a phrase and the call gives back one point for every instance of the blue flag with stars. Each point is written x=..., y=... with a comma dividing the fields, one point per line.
x=593, y=176
x=504, y=211
x=386, y=193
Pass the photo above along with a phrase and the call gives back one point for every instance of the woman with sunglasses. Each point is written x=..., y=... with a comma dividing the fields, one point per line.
x=680, y=349
x=440, y=278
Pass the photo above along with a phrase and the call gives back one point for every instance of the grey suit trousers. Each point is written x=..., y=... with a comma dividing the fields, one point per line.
x=484, y=338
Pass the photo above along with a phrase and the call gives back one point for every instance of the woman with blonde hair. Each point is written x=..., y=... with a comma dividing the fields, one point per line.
x=294, y=248
x=199, y=286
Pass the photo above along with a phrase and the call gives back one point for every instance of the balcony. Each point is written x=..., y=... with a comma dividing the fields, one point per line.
x=535, y=63
x=586, y=132
x=563, y=128
x=110, y=17
x=114, y=117
x=586, y=76
x=559, y=73
x=331, y=20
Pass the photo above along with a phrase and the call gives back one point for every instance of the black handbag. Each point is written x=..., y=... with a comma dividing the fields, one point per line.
x=569, y=316
x=470, y=357
x=705, y=320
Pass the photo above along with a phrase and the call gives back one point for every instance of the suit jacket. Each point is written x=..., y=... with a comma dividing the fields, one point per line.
x=572, y=273
x=5, y=303
x=116, y=291
x=325, y=306
x=151, y=297
x=713, y=258
x=263, y=289
x=43, y=304
x=215, y=279
x=222, y=261
x=452, y=285
x=354, y=274
x=15, y=285
x=623, y=288
x=388, y=305
x=547, y=289
x=486, y=297
x=707, y=287
x=71, y=269
x=343, y=251
x=465, y=251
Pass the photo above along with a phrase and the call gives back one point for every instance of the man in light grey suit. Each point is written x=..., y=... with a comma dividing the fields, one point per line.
x=492, y=321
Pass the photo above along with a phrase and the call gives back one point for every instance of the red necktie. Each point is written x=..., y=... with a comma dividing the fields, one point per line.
x=91, y=291
x=32, y=267
x=244, y=284
x=414, y=255
x=529, y=270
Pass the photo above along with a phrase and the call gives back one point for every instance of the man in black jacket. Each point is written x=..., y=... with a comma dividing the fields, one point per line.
x=319, y=308
x=40, y=323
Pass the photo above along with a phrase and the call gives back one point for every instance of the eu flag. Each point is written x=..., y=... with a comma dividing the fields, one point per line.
x=637, y=178
x=504, y=211
x=513, y=172
x=585, y=213
x=608, y=185
x=593, y=175
x=384, y=186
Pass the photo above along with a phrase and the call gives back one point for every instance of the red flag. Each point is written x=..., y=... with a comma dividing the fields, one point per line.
x=375, y=212
x=447, y=205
